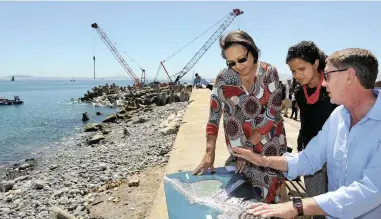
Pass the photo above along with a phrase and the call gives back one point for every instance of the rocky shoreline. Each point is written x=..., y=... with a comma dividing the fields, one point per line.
x=101, y=157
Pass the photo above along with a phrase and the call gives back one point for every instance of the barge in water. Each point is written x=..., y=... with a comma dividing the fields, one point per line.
x=16, y=101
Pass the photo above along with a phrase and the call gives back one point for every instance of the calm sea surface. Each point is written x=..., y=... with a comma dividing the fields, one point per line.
x=47, y=116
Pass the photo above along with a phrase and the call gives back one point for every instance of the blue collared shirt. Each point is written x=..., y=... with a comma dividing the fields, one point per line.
x=204, y=82
x=353, y=158
x=196, y=81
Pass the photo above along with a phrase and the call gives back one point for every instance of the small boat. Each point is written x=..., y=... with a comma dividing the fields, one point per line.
x=15, y=101
x=13, y=78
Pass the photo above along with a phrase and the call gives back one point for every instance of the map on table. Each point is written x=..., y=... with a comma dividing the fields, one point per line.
x=222, y=195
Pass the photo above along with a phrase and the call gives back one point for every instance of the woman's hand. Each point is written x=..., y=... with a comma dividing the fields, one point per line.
x=248, y=154
x=206, y=163
x=241, y=163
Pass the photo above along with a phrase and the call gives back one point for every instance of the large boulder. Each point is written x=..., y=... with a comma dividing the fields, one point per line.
x=184, y=96
x=97, y=138
x=110, y=118
x=91, y=127
x=58, y=213
x=85, y=117
x=163, y=99
x=172, y=124
x=172, y=128
x=139, y=120
x=5, y=186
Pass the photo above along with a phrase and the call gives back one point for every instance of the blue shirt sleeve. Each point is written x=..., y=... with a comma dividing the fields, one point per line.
x=357, y=198
x=312, y=158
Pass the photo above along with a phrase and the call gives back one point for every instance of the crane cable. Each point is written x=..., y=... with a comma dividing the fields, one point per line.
x=94, y=43
x=157, y=73
x=196, y=38
x=158, y=70
x=94, y=54
x=129, y=57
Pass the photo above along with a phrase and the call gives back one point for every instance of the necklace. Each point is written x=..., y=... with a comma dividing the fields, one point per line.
x=315, y=96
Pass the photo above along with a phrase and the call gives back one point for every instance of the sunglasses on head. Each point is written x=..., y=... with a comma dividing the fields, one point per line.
x=327, y=73
x=241, y=60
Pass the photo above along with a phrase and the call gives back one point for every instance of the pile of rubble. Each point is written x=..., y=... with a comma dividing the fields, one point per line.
x=116, y=96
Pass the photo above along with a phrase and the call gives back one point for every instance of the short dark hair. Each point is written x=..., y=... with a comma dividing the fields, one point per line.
x=307, y=51
x=362, y=60
x=242, y=38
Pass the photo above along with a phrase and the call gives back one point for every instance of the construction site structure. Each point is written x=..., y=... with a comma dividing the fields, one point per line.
x=119, y=58
x=226, y=21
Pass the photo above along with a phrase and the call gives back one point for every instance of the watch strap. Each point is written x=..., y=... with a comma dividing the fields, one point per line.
x=251, y=145
x=298, y=205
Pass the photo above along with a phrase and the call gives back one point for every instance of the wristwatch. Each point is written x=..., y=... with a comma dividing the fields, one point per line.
x=250, y=145
x=298, y=205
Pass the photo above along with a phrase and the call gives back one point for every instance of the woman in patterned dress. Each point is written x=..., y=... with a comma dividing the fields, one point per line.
x=248, y=95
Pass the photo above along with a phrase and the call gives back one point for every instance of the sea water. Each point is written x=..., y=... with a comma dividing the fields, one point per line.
x=47, y=117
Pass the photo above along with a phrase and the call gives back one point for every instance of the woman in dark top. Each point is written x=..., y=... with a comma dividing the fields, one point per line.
x=307, y=63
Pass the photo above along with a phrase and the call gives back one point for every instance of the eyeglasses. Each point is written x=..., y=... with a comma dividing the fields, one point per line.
x=326, y=73
x=242, y=60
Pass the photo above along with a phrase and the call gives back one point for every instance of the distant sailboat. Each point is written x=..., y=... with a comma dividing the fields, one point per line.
x=13, y=78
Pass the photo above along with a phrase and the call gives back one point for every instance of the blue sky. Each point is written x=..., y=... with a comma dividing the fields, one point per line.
x=55, y=39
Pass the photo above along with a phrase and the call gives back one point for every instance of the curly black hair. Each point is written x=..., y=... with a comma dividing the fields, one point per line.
x=308, y=51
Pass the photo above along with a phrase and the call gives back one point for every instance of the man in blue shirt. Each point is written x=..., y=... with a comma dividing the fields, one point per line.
x=199, y=82
x=349, y=142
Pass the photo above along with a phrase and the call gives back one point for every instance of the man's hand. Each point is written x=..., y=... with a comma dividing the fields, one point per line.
x=284, y=210
x=206, y=163
x=248, y=154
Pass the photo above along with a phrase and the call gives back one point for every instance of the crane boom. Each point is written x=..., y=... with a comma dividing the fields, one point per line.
x=116, y=54
x=236, y=12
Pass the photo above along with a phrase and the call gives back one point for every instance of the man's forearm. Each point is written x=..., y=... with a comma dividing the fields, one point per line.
x=310, y=207
x=276, y=162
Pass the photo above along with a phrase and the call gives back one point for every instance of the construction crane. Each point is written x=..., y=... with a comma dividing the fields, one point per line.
x=118, y=57
x=227, y=20
x=143, y=77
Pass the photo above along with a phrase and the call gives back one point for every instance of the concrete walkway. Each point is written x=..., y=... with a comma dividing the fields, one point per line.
x=189, y=147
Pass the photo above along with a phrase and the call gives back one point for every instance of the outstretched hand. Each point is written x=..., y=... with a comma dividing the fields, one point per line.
x=248, y=154
x=241, y=163
x=282, y=210
x=206, y=163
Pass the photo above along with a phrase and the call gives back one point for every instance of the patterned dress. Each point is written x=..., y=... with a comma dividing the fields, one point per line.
x=245, y=111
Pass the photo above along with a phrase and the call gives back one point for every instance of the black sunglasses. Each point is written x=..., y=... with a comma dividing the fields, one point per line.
x=242, y=60
x=326, y=73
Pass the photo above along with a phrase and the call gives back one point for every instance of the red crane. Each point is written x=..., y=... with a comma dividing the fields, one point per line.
x=227, y=20
x=118, y=57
